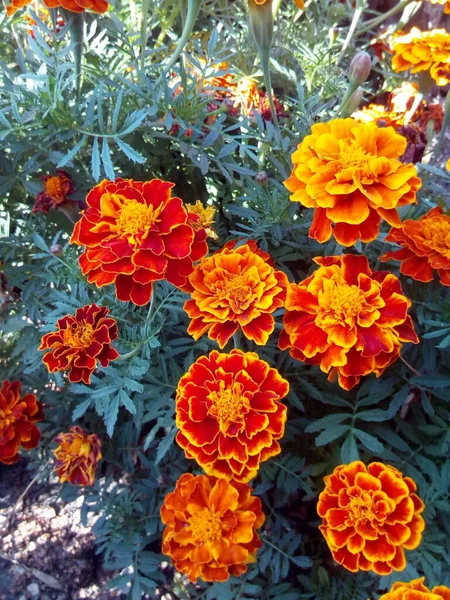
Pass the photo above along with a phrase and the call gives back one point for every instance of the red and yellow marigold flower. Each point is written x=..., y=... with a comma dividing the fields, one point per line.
x=76, y=6
x=229, y=413
x=350, y=173
x=204, y=218
x=211, y=527
x=346, y=318
x=235, y=288
x=77, y=456
x=425, y=247
x=416, y=590
x=56, y=192
x=423, y=51
x=80, y=342
x=371, y=515
x=249, y=97
x=18, y=416
x=136, y=233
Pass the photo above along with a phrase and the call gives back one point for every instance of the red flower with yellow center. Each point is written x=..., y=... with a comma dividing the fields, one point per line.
x=211, y=527
x=229, y=413
x=136, y=233
x=416, y=590
x=77, y=456
x=423, y=51
x=235, y=288
x=425, y=247
x=56, y=192
x=17, y=421
x=350, y=173
x=370, y=516
x=347, y=319
x=80, y=342
x=76, y=6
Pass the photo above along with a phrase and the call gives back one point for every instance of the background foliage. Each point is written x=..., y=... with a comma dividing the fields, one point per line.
x=121, y=126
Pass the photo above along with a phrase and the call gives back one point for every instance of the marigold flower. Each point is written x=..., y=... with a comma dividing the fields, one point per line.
x=80, y=342
x=18, y=416
x=371, y=515
x=76, y=6
x=248, y=98
x=56, y=192
x=235, y=288
x=425, y=247
x=204, y=218
x=406, y=591
x=77, y=456
x=136, y=233
x=229, y=413
x=350, y=173
x=423, y=51
x=211, y=527
x=347, y=319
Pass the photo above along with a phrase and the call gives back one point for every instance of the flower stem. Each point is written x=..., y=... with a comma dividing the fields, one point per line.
x=411, y=368
x=356, y=17
x=378, y=20
x=144, y=18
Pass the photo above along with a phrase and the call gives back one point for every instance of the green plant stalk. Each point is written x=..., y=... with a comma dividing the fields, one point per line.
x=76, y=21
x=191, y=17
x=356, y=17
x=378, y=20
x=351, y=88
x=144, y=18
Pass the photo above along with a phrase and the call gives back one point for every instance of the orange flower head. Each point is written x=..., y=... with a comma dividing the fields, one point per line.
x=80, y=342
x=416, y=590
x=235, y=288
x=350, y=173
x=371, y=515
x=229, y=413
x=136, y=233
x=204, y=218
x=56, y=192
x=211, y=527
x=76, y=6
x=425, y=247
x=77, y=456
x=347, y=319
x=423, y=51
x=18, y=416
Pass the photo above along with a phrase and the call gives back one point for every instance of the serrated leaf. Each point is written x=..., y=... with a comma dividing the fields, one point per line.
x=67, y=159
x=107, y=162
x=331, y=434
x=130, y=152
x=95, y=160
x=369, y=441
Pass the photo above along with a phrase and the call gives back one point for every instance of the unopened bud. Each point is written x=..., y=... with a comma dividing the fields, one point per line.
x=359, y=68
x=353, y=102
x=262, y=179
x=56, y=250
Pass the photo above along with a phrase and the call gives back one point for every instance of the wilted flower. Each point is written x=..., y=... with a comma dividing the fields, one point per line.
x=56, y=192
x=423, y=51
x=76, y=6
x=18, y=416
x=77, y=456
x=80, y=342
x=425, y=247
x=347, y=319
x=211, y=527
x=204, y=218
x=136, y=233
x=229, y=413
x=371, y=515
x=248, y=98
x=416, y=143
x=416, y=590
x=235, y=288
x=350, y=173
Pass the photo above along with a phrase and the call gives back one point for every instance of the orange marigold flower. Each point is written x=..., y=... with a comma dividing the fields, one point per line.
x=211, y=527
x=204, y=218
x=405, y=591
x=81, y=341
x=229, y=413
x=371, y=515
x=77, y=456
x=423, y=51
x=18, y=416
x=56, y=192
x=350, y=173
x=235, y=288
x=76, y=6
x=425, y=247
x=136, y=233
x=347, y=319
x=248, y=98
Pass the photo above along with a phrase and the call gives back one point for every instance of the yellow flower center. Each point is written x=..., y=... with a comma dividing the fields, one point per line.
x=345, y=301
x=136, y=218
x=352, y=154
x=362, y=507
x=229, y=406
x=236, y=290
x=437, y=235
x=54, y=188
x=205, y=526
x=79, y=335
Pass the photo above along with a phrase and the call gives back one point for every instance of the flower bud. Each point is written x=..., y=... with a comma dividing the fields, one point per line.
x=262, y=179
x=359, y=68
x=56, y=250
